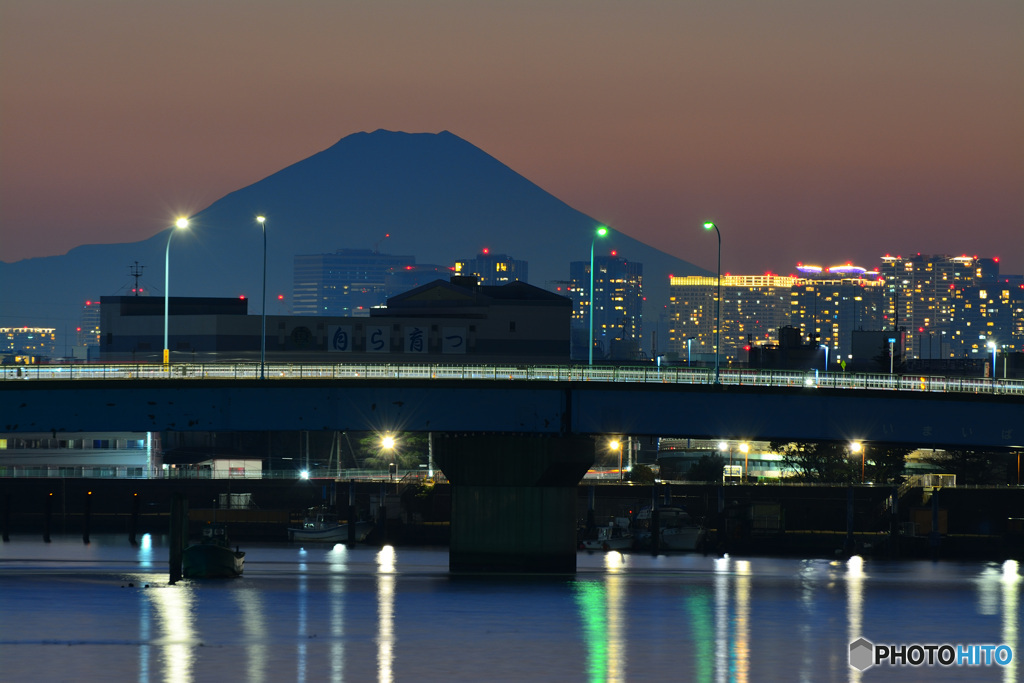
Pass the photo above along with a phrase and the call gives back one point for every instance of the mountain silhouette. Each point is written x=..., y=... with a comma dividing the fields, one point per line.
x=439, y=198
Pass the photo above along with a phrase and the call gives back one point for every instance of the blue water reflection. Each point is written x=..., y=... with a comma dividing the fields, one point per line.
x=393, y=614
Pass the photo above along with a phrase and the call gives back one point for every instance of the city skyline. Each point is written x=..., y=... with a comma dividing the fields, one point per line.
x=851, y=131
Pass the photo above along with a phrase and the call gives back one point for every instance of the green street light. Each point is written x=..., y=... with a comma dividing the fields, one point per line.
x=262, y=220
x=600, y=232
x=708, y=225
x=179, y=224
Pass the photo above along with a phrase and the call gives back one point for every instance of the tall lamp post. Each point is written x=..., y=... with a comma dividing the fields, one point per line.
x=600, y=232
x=858, y=447
x=708, y=225
x=992, y=345
x=825, y=346
x=179, y=224
x=262, y=220
x=616, y=446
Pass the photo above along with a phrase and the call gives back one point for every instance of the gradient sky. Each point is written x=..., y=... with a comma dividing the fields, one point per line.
x=809, y=130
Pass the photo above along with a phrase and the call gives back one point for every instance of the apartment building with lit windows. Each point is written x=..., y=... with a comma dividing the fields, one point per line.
x=618, y=307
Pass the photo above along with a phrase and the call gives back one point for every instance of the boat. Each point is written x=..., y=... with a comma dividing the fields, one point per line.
x=323, y=526
x=677, y=529
x=212, y=557
x=614, y=536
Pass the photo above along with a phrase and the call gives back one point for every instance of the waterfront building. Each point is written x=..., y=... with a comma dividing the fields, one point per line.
x=348, y=282
x=493, y=269
x=80, y=454
x=454, y=322
x=618, y=307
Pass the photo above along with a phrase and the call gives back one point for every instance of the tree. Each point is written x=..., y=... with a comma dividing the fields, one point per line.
x=708, y=468
x=408, y=451
x=822, y=462
x=885, y=464
x=641, y=474
x=971, y=467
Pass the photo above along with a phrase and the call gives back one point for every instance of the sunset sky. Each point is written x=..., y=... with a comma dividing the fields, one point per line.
x=810, y=131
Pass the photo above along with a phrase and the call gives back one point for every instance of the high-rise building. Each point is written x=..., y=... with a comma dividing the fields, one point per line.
x=824, y=307
x=753, y=308
x=348, y=282
x=493, y=269
x=618, y=307
x=829, y=304
x=87, y=333
x=949, y=306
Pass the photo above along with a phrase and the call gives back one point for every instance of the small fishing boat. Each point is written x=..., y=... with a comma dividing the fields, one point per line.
x=212, y=557
x=676, y=529
x=323, y=526
x=614, y=536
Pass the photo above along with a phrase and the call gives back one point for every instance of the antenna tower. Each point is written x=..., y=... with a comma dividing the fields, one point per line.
x=136, y=272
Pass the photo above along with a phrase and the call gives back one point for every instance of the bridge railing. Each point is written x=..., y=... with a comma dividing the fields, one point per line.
x=556, y=373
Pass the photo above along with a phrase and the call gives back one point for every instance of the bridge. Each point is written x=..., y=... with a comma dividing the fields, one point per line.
x=514, y=441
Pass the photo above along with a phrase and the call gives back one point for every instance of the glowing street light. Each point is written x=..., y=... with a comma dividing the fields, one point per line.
x=600, y=232
x=616, y=446
x=708, y=225
x=992, y=346
x=262, y=220
x=179, y=224
x=825, y=346
x=858, y=447
x=745, y=449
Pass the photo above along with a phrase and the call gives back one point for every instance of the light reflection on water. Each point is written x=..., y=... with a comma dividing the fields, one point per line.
x=337, y=613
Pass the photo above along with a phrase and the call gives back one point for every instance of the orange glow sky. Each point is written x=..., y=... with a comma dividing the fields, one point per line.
x=809, y=131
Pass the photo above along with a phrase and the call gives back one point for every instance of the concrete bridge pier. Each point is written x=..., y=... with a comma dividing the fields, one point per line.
x=513, y=500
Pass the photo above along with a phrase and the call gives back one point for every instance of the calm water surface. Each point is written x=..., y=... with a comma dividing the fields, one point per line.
x=317, y=613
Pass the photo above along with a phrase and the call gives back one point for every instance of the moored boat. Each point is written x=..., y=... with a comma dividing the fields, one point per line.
x=212, y=557
x=324, y=527
x=677, y=530
x=614, y=536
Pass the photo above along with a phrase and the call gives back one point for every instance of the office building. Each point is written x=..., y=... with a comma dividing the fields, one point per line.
x=348, y=282
x=493, y=269
x=618, y=308
x=28, y=345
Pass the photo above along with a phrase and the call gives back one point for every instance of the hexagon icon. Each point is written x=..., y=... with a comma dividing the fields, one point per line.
x=862, y=654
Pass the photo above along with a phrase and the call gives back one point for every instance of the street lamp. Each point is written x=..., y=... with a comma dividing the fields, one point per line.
x=688, y=340
x=616, y=446
x=708, y=225
x=600, y=232
x=387, y=442
x=745, y=448
x=858, y=447
x=992, y=345
x=262, y=220
x=179, y=224
x=825, y=346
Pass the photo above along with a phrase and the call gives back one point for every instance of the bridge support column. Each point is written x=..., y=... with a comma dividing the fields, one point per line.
x=513, y=500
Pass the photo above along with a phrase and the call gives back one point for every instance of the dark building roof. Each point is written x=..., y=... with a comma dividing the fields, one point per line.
x=464, y=291
x=177, y=305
